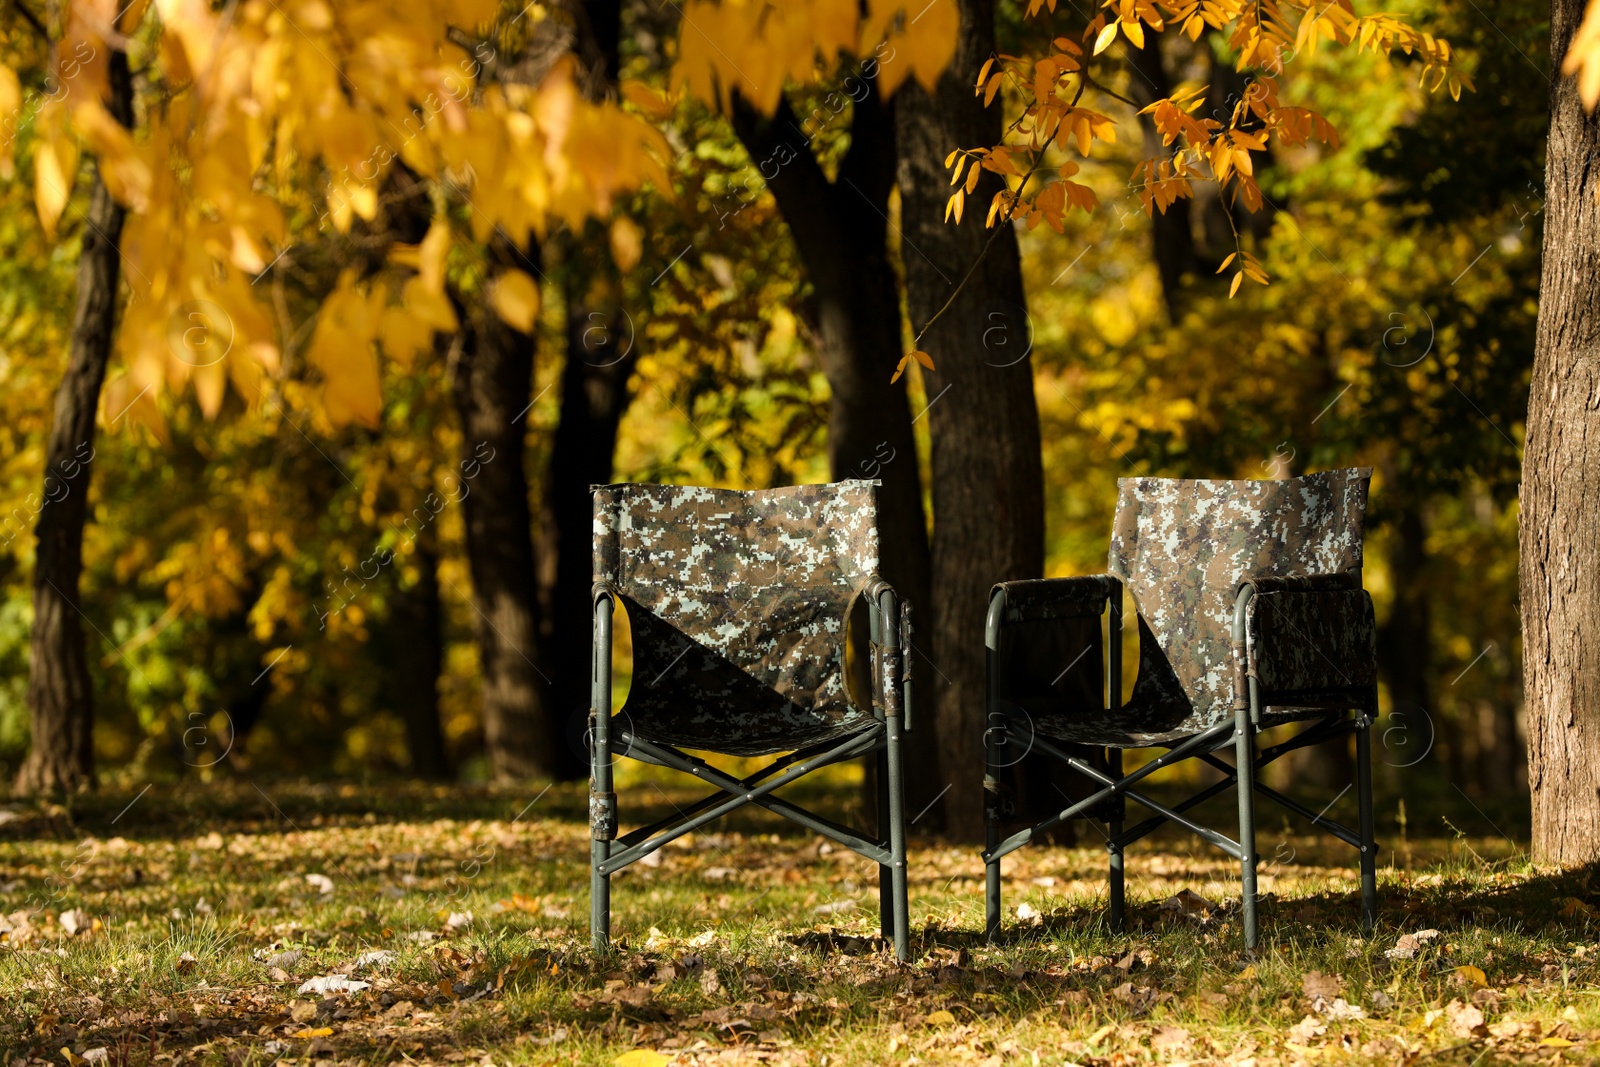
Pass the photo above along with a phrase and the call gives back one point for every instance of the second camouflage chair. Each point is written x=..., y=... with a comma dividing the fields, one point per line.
x=1251, y=615
x=739, y=604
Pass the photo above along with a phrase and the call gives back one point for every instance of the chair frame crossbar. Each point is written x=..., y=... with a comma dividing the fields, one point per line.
x=879, y=738
x=1116, y=788
x=734, y=793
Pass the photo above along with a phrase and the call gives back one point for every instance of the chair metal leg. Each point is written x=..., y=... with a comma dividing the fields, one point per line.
x=1244, y=742
x=1114, y=826
x=599, y=852
x=1369, y=845
x=886, y=897
x=897, y=841
x=994, y=738
x=602, y=798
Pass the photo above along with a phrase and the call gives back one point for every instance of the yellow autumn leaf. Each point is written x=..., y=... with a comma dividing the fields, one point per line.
x=655, y=104
x=627, y=243
x=320, y=1031
x=515, y=298
x=1556, y=1042
x=1107, y=35
x=941, y=1018
x=923, y=358
x=930, y=40
x=1473, y=976
x=55, y=164
x=10, y=104
x=642, y=1057
x=1234, y=288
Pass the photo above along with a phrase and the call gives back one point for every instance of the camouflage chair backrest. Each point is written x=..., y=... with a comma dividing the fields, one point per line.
x=1182, y=547
x=741, y=599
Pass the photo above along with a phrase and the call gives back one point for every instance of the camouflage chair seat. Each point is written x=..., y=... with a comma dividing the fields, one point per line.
x=738, y=605
x=1251, y=615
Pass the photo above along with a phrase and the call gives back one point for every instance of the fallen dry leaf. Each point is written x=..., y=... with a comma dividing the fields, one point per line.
x=1316, y=984
x=1464, y=1020
x=941, y=1018
x=1303, y=1031
x=1170, y=1039
x=321, y=1031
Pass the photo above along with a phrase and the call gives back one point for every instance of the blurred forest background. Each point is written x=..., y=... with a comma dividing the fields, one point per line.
x=236, y=623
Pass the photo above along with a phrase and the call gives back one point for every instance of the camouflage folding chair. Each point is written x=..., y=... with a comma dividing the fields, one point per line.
x=739, y=604
x=1251, y=615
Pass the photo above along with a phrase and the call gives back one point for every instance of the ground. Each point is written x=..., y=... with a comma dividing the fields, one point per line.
x=216, y=924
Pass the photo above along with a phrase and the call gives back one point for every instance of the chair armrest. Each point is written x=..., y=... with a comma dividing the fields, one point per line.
x=1036, y=599
x=1302, y=634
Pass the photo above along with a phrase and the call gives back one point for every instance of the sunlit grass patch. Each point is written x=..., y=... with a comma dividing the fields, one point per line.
x=322, y=928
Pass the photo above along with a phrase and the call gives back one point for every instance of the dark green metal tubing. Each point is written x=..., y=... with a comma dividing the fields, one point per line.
x=600, y=772
x=1369, y=846
x=853, y=747
x=1203, y=832
x=1325, y=730
x=644, y=833
x=1337, y=829
x=1155, y=822
x=1245, y=740
x=897, y=793
x=994, y=734
x=1115, y=886
x=1181, y=752
x=731, y=787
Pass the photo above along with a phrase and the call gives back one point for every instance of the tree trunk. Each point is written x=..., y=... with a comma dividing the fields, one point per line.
x=492, y=376
x=1560, y=525
x=988, y=480
x=1405, y=640
x=1171, y=231
x=417, y=623
x=840, y=229
x=601, y=354
x=60, y=691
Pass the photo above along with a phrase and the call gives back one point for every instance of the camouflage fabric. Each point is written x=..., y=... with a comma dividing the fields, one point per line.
x=737, y=603
x=1303, y=643
x=1182, y=547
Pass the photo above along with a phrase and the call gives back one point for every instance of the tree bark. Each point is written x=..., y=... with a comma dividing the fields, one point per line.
x=601, y=355
x=60, y=691
x=840, y=229
x=1172, y=230
x=417, y=622
x=492, y=377
x=1560, y=523
x=1405, y=640
x=988, y=480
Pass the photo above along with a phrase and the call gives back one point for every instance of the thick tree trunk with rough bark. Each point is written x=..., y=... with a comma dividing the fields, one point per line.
x=1561, y=486
x=601, y=354
x=492, y=376
x=60, y=691
x=840, y=229
x=988, y=481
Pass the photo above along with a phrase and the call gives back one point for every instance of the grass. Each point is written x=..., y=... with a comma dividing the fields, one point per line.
x=200, y=912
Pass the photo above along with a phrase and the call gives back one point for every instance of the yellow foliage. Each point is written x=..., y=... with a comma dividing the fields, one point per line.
x=515, y=298
x=297, y=92
x=756, y=48
x=1583, y=56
